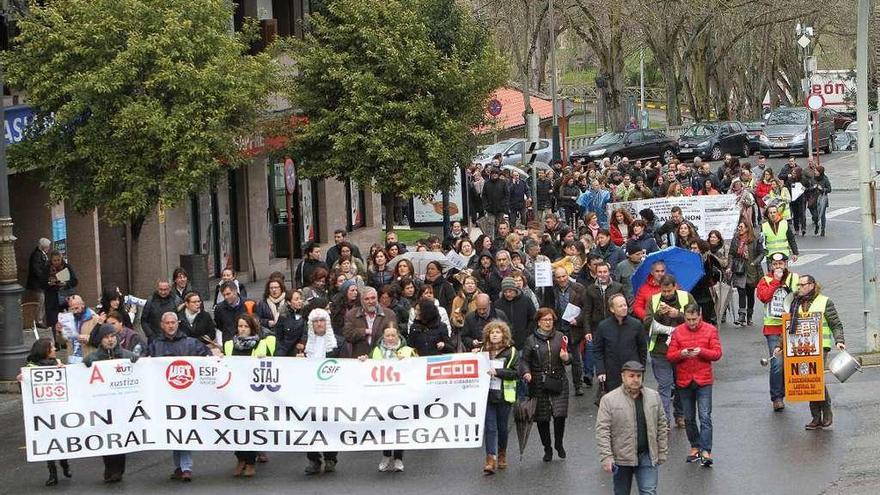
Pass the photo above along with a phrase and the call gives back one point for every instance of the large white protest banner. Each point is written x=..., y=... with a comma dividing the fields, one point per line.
x=716, y=212
x=243, y=403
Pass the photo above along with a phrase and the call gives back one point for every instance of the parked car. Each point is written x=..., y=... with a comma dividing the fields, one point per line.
x=711, y=140
x=786, y=131
x=635, y=144
x=850, y=137
x=841, y=120
x=755, y=130
x=511, y=151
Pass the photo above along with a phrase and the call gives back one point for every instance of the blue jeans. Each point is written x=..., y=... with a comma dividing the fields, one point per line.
x=664, y=373
x=777, y=387
x=646, y=477
x=497, y=419
x=183, y=460
x=695, y=398
x=589, y=367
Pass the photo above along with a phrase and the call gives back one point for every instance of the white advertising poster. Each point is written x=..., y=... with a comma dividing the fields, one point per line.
x=244, y=403
x=430, y=210
x=356, y=213
x=306, y=210
x=718, y=212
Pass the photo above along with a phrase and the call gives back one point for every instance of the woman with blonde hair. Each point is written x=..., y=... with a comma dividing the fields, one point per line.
x=498, y=343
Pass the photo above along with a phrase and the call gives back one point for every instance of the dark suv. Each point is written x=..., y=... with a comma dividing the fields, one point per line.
x=711, y=140
x=787, y=127
x=635, y=144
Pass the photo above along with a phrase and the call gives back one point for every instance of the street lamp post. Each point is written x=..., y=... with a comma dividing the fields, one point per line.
x=12, y=349
x=557, y=154
x=869, y=260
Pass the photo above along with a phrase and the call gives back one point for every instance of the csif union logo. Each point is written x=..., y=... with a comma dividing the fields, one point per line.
x=180, y=374
x=328, y=369
x=266, y=377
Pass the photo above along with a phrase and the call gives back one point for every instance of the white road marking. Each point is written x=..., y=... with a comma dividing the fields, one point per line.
x=847, y=260
x=807, y=258
x=840, y=211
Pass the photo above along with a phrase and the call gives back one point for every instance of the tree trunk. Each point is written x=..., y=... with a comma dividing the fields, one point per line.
x=673, y=110
x=388, y=203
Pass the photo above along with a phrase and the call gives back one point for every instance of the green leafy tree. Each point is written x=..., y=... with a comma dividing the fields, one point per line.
x=138, y=102
x=392, y=90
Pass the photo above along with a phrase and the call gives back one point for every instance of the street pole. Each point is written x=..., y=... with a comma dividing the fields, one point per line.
x=12, y=349
x=556, y=139
x=869, y=263
x=642, y=87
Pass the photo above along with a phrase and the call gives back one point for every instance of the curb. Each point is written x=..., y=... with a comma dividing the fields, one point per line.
x=12, y=388
x=869, y=359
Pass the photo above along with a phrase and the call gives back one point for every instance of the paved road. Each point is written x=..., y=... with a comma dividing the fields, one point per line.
x=756, y=451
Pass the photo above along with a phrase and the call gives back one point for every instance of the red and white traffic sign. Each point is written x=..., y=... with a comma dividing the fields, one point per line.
x=494, y=107
x=815, y=102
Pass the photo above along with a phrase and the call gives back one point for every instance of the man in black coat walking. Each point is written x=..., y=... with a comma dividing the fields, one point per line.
x=519, y=310
x=472, y=331
x=616, y=340
x=495, y=197
x=38, y=269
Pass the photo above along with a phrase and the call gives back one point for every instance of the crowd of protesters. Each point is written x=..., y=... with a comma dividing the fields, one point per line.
x=374, y=302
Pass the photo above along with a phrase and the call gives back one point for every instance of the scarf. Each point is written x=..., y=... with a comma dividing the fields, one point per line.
x=388, y=352
x=318, y=346
x=741, y=248
x=190, y=317
x=275, y=304
x=245, y=344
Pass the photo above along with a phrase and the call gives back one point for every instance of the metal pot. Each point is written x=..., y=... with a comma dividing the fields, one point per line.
x=843, y=366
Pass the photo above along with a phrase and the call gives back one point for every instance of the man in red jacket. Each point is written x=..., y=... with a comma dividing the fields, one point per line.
x=693, y=347
x=648, y=289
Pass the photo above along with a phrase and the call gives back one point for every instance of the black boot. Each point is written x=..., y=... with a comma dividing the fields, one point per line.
x=544, y=432
x=558, y=434
x=65, y=468
x=53, y=474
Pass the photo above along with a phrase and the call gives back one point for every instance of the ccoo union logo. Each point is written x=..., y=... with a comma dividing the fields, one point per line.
x=180, y=374
x=447, y=369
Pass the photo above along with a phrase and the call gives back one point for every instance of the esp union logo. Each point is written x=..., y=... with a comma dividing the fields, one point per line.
x=180, y=374
x=447, y=369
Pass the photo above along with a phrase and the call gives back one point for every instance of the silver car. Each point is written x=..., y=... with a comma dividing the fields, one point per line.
x=511, y=151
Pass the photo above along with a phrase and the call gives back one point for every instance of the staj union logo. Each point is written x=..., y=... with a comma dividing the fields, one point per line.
x=266, y=377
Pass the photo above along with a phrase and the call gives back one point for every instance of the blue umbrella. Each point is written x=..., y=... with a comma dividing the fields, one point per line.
x=684, y=265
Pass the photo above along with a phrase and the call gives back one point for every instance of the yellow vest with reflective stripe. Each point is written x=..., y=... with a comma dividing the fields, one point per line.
x=776, y=242
x=655, y=303
x=818, y=306
x=266, y=347
x=509, y=386
x=404, y=352
x=791, y=283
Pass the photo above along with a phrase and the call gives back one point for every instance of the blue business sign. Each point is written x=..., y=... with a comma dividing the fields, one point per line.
x=16, y=119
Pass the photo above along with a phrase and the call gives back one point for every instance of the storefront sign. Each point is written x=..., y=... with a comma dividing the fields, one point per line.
x=16, y=119
x=243, y=403
x=803, y=367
